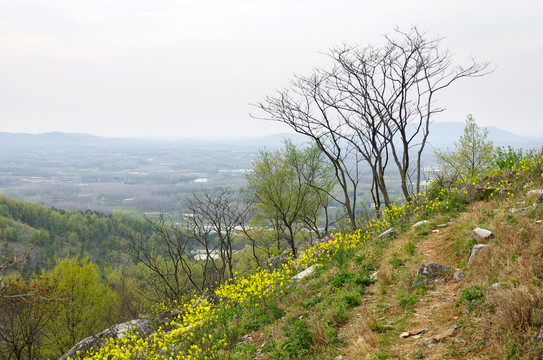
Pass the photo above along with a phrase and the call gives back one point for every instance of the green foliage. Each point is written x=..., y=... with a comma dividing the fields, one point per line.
x=508, y=158
x=406, y=301
x=290, y=188
x=244, y=350
x=341, y=278
x=308, y=303
x=472, y=157
x=410, y=248
x=472, y=297
x=86, y=306
x=298, y=343
x=352, y=299
x=396, y=262
x=258, y=316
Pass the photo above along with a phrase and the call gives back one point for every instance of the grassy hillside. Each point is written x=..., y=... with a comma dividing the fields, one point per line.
x=359, y=300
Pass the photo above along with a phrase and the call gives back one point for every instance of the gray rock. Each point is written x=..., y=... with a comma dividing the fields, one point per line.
x=429, y=271
x=475, y=250
x=274, y=263
x=521, y=210
x=482, y=234
x=118, y=331
x=459, y=275
x=538, y=194
x=310, y=270
x=389, y=233
x=420, y=223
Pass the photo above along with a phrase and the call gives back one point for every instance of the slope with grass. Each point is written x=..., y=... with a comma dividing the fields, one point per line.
x=359, y=302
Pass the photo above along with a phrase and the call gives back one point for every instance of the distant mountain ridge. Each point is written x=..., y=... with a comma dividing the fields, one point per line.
x=442, y=134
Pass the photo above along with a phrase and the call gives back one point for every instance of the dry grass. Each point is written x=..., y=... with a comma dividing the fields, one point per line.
x=361, y=339
x=513, y=327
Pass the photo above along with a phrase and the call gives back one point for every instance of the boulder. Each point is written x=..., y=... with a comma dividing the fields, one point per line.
x=482, y=234
x=389, y=233
x=118, y=331
x=429, y=271
x=537, y=194
x=475, y=250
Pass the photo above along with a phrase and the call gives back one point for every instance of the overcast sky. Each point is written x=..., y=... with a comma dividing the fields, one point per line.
x=183, y=68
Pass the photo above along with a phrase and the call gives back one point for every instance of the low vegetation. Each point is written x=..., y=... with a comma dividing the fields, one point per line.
x=359, y=298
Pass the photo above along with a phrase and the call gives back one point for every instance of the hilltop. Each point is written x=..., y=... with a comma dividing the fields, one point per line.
x=434, y=287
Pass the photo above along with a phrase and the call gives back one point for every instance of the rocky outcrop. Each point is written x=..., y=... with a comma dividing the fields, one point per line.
x=429, y=271
x=523, y=209
x=121, y=330
x=445, y=334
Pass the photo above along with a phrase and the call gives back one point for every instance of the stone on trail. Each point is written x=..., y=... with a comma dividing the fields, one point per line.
x=445, y=334
x=428, y=271
x=459, y=275
x=482, y=234
x=420, y=223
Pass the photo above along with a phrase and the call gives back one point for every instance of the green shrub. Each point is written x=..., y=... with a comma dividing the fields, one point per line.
x=312, y=301
x=352, y=299
x=407, y=301
x=340, y=279
x=472, y=297
x=244, y=350
x=508, y=158
x=396, y=262
x=410, y=248
x=298, y=343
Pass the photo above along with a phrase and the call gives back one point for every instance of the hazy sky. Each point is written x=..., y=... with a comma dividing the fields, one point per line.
x=191, y=68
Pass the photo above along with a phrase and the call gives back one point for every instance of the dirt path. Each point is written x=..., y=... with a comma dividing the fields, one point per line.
x=432, y=315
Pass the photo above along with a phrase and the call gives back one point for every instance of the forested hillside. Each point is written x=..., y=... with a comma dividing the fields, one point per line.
x=61, y=233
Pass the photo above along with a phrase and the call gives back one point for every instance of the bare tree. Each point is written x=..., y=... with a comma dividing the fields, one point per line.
x=303, y=109
x=169, y=262
x=211, y=228
x=377, y=101
x=217, y=219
